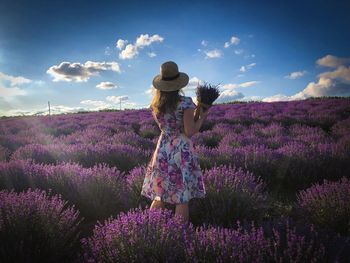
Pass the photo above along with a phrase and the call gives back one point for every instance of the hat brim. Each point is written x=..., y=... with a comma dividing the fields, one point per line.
x=170, y=85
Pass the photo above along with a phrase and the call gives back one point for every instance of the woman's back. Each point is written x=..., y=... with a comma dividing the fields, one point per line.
x=172, y=122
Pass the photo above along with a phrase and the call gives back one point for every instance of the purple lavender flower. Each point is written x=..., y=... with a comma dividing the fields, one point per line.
x=138, y=236
x=207, y=138
x=134, y=182
x=327, y=204
x=37, y=227
x=97, y=192
x=231, y=194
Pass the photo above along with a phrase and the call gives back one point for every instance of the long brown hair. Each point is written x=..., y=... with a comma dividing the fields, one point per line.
x=165, y=101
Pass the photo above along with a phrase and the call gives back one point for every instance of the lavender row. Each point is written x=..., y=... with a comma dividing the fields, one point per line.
x=159, y=236
x=323, y=112
x=94, y=186
x=231, y=193
x=289, y=166
x=286, y=159
x=101, y=191
x=36, y=226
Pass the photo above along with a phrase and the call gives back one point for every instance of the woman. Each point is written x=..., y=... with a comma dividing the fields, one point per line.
x=174, y=175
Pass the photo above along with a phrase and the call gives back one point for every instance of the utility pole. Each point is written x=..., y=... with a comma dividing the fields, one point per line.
x=49, y=107
x=120, y=102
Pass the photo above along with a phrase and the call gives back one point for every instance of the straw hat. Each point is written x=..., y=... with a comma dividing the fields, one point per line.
x=170, y=79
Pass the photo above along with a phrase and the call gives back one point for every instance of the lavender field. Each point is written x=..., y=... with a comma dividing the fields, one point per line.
x=277, y=177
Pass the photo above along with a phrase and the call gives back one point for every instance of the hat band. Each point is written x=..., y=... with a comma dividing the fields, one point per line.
x=171, y=78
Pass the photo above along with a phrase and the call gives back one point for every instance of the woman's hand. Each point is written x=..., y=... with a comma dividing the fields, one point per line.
x=192, y=125
x=203, y=114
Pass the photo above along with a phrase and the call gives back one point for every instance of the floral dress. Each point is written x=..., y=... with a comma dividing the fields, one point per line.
x=173, y=175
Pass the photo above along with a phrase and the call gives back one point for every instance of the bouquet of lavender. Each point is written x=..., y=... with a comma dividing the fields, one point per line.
x=206, y=95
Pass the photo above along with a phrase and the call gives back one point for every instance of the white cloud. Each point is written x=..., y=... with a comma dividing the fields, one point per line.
x=332, y=61
x=106, y=85
x=277, y=97
x=149, y=91
x=241, y=85
x=229, y=95
x=129, y=104
x=39, y=82
x=112, y=102
x=342, y=72
x=215, y=53
x=247, y=67
x=96, y=103
x=129, y=52
x=5, y=106
x=13, y=80
x=9, y=92
x=238, y=51
x=296, y=74
x=229, y=86
x=204, y=43
x=255, y=98
x=8, y=85
x=248, y=84
x=89, y=105
x=132, y=50
x=121, y=43
x=193, y=83
x=58, y=109
x=330, y=83
x=326, y=87
x=146, y=40
x=77, y=72
x=233, y=41
x=54, y=109
x=117, y=99
x=151, y=54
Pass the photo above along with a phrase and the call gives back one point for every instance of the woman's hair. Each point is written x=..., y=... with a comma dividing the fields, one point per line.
x=165, y=101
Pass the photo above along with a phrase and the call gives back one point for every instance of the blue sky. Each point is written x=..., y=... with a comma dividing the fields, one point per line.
x=261, y=50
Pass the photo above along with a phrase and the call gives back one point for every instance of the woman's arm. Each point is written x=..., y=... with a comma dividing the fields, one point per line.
x=156, y=120
x=191, y=126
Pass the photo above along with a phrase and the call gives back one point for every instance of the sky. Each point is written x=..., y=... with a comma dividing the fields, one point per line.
x=91, y=55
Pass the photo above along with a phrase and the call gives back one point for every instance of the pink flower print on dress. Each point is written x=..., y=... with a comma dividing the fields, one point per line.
x=176, y=178
x=185, y=157
x=172, y=177
x=159, y=186
x=163, y=164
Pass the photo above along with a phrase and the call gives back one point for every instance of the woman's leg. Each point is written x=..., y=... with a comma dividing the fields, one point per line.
x=157, y=204
x=182, y=209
